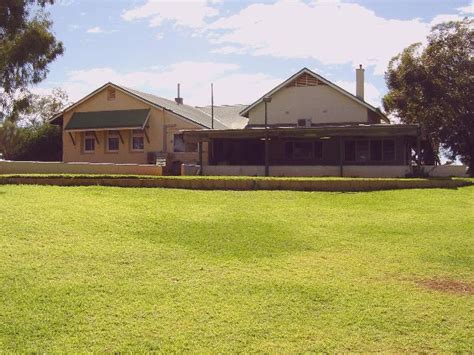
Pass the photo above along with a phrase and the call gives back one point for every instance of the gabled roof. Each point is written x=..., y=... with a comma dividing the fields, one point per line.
x=245, y=111
x=186, y=112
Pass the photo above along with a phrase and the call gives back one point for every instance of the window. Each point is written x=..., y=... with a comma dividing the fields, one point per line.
x=350, y=151
x=138, y=141
x=388, y=150
x=376, y=150
x=302, y=150
x=362, y=150
x=110, y=94
x=113, y=142
x=179, y=145
x=318, y=149
x=89, y=142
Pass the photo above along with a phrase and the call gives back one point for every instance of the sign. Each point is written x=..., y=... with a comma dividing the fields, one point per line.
x=160, y=162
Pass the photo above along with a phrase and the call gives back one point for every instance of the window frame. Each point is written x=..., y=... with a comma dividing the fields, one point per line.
x=312, y=150
x=137, y=133
x=394, y=156
x=383, y=143
x=89, y=135
x=111, y=134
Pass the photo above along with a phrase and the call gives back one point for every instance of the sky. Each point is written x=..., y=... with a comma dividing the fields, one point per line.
x=244, y=47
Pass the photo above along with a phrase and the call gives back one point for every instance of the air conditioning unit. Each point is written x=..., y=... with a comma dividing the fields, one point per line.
x=304, y=122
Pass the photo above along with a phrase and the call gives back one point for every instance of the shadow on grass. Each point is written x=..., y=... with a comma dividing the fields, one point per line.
x=245, y=240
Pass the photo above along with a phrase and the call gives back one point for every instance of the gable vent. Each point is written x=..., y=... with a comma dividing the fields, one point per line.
x=305, y=80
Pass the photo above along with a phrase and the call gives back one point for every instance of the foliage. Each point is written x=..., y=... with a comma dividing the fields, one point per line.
x=41, y=108
x=29, y=136
x=98, y=269
x=432, y=86
x=27, y=47
x=31, y=143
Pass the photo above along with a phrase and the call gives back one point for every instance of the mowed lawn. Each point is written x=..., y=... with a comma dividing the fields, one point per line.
x=124, y=269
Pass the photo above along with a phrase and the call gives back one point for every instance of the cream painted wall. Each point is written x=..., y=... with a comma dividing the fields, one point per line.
x=321, y=103
x=42, y=167
x=162, y=127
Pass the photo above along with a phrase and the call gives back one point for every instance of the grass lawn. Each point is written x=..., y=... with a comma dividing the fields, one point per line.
x=117, y=269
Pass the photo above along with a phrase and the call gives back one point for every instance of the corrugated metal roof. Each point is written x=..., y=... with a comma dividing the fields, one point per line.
x=189, y=112
x=108, y=120
x=228, y=115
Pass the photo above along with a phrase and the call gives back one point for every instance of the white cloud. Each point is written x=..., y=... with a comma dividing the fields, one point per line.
x=159, y=35
x=189, y=13
x=230, y=84
x=95, y=30
x=371, y=94
x=98, y=29
x=466, y=10
x=445, y=18
x=331, y=32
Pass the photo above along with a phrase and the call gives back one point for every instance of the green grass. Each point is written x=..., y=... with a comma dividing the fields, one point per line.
x=123, y=269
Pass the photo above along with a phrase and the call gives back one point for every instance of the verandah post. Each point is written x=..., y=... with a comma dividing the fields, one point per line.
x=266, y=100
x=200, y=158
x=341, y=165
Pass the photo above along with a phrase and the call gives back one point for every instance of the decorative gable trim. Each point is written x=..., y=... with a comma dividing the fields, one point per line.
x=304, y=80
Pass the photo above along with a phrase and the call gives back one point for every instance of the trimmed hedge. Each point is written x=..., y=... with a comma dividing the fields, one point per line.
x=236, y=183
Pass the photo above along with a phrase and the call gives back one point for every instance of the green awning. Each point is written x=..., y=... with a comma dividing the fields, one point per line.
x=122, y=119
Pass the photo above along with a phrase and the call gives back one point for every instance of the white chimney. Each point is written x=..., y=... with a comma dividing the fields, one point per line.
x=360, y=82
x=179, y=99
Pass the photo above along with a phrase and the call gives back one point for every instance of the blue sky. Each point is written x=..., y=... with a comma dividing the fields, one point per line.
x=244, y=47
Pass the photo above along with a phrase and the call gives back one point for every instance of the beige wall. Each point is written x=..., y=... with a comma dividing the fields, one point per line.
x=321, y=103
x=35, y=167
x=162, y=127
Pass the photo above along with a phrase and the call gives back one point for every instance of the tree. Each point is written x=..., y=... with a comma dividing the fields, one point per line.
x=27, y=47
x=29, y=136
x=41, y=108
x=432, y=85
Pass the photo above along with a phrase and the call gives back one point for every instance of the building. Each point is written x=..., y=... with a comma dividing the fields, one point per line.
x=310, y=126
x=115, y=124
x=305, y=126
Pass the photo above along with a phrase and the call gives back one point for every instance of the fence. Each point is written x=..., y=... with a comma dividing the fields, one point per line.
x=367, y=171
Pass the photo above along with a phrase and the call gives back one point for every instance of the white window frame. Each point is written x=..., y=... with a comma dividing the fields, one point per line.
x=114, y=135
x=89, y=135
x=137, y=133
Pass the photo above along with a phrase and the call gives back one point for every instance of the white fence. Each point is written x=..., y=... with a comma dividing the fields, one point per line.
x=446, y=170
x=381, y=171
x=35, y=167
